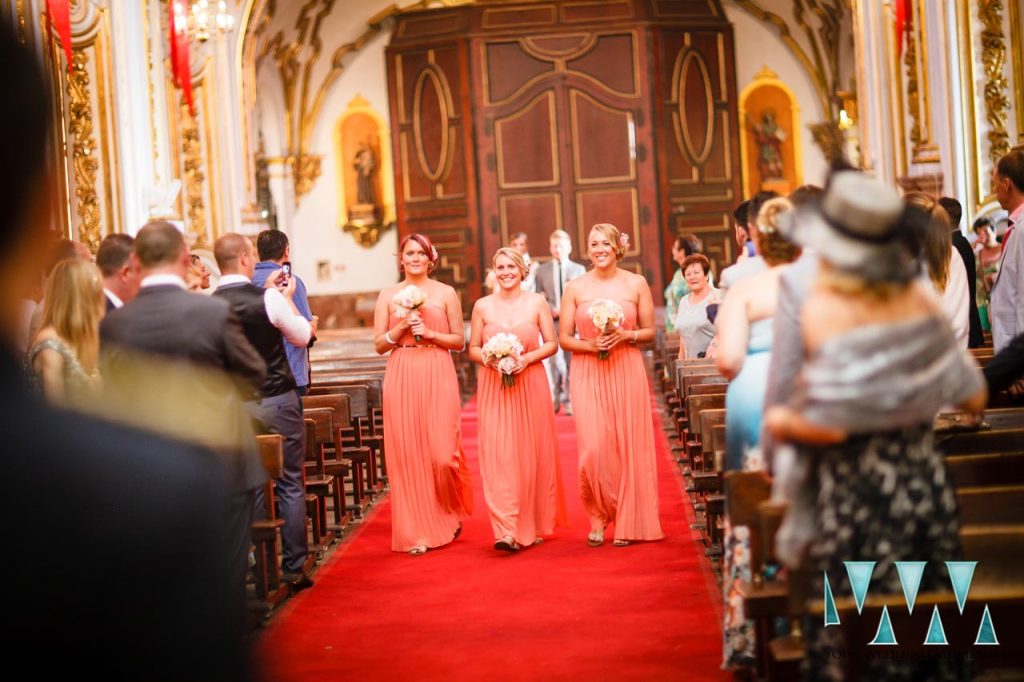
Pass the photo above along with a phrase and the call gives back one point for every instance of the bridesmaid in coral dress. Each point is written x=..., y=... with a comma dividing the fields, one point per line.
x=614, y=424
x=430, y=484
x=518, y=445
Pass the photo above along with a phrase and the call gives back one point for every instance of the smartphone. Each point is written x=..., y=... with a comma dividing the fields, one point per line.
x=286, y=267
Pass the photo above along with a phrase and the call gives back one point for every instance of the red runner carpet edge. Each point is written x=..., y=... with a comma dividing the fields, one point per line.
x=559, y=611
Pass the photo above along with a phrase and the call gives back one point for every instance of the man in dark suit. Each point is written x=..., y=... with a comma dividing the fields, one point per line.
x=1006, y=369
x=116, y=563
x=551, y=279
x=184, y=356
x=269, y=319
x=975, y=336
x=120, y=269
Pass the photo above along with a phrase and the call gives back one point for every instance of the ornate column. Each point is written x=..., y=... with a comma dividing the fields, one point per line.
x=880, y=142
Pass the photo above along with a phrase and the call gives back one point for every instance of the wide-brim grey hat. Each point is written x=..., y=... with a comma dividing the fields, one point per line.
x=856, y=226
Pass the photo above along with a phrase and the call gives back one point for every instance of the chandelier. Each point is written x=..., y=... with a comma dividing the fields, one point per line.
x=202, y=21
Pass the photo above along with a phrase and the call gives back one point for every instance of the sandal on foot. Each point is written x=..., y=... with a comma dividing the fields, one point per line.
x=507, y=544
x=621, y=543
x=418, y=550
x=595, y=538
x=538, y=541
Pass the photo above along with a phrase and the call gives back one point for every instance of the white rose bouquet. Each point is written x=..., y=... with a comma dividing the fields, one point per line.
x=506, y=349
x=606, y=316
x=408, y=300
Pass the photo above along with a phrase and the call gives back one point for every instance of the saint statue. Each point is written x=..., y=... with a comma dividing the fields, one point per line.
x=365, y=166
x=769, y=140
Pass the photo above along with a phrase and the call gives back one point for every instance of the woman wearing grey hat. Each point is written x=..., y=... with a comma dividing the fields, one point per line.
x=881, y=360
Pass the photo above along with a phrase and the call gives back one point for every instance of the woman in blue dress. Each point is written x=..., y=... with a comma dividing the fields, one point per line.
x=744, y=328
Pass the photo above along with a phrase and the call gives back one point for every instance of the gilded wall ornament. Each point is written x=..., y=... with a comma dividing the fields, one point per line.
x=296, y=61
x=194, y=176
x=83, y=152
x=305, y=171
x=993, y=58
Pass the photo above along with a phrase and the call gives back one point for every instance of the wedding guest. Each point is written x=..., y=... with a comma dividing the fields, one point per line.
x=178, y=363
x=881, y=360
x=614, y=424
x=430, y=484
x=521, y=243
x=677, y=288
x=692, y=322
x=121, y=277
x=63, y=249
x=1006, y=310
x=198, y=274
x=955, y=211
x=745, y=335
x=274, y=251
x=64, y=357
x=741, y=235
x=1007, y=367
x=750, y=263
x=987, y=252
x=552, y=279
x=518, y=444
x=944, y=267
x=142, y=515
x=269, y=318
x=744, y=327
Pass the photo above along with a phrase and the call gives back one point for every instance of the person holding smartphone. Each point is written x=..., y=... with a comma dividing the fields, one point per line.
x=274, y=253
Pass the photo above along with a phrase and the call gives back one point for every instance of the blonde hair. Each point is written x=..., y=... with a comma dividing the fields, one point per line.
x=613, y=235
x=74, y=306
x=516, y=258
x=938, y=247
x=773, y=247
x=851, y=284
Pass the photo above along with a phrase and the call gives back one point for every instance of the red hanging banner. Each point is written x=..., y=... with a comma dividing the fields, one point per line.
x=904, y=18
x=58, y=14
x=177, y=29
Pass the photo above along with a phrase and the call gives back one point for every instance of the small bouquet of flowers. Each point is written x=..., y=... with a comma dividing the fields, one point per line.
x=408, y=300
x=506, y=349
x=606, y=316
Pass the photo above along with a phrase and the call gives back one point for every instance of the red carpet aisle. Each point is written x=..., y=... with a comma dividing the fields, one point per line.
x=560, y=611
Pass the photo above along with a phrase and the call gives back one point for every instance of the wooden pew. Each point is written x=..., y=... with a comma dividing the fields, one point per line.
x=270, y=589
x=344, y=458
x=322, y=483
x=371, y=425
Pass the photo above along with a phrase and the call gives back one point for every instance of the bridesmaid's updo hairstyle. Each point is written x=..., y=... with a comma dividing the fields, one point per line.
x=619, y=240
x=424, y=243
x=516, y=257
x=773, y=247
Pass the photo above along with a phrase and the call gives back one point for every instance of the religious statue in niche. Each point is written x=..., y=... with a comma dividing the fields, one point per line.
x=770, y=141
x=364, y=165
x=769, y=138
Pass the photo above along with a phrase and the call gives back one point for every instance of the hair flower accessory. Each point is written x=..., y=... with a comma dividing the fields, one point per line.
x=623, y=241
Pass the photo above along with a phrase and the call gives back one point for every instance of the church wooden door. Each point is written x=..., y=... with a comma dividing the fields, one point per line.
x=564, y=140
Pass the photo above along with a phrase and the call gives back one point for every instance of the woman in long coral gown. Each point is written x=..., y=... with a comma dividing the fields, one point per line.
x=430, y=484
x=518, y=444
x=611, y=397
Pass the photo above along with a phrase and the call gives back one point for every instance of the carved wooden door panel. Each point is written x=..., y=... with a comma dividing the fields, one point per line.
x=434, y=153
x=565, y=140
x=698, y=141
